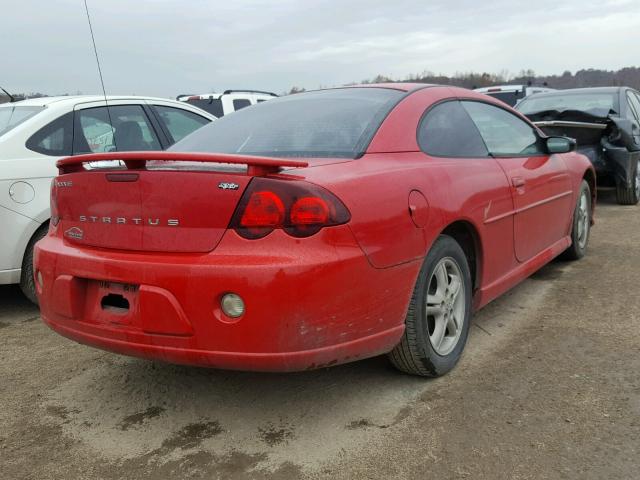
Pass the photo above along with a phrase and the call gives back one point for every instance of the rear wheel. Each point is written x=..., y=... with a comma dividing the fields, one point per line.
x=27, y=282
x=439, y=314
x=581, y=225
x=630, y=196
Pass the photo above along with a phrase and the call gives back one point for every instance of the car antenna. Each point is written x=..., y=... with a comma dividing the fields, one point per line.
x=104, y=91
x=11, y=99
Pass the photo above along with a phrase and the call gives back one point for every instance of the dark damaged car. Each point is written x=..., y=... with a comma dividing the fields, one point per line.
x=606, y=124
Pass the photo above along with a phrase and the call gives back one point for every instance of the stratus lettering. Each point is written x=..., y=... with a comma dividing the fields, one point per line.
x=153, y=222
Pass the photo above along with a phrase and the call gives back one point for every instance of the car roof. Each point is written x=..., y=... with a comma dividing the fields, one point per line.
x=230, y=93
x=503, y=87
x=576, y=91
x=405, y=87
x=73, y=99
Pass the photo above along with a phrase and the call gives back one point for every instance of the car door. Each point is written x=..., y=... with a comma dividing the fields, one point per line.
x=634, y=109
x=540, y=183
x=459, y=169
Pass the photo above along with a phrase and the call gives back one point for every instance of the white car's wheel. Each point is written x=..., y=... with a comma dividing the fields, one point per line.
x=27, y=282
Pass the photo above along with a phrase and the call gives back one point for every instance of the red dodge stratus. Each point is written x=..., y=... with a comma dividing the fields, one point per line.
x=312, y=230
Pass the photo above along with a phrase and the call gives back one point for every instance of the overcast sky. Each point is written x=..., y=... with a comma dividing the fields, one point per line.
x=167, y=47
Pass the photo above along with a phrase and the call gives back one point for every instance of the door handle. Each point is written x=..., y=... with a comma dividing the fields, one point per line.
x=517, y=182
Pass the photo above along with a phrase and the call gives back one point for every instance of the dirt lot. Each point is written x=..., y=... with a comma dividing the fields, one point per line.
x=549, y=388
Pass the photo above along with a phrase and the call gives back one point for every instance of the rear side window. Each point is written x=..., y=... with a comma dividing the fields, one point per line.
x=504, y=133
x=179, y=123
x=131, y=130
x=54, y=138
x=240, y=103
x=510, y=97
x=447, y=131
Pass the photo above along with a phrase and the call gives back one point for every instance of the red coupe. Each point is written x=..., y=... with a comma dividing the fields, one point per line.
x=312, y=230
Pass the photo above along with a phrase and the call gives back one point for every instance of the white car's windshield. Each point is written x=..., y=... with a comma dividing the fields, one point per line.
x=13, y=115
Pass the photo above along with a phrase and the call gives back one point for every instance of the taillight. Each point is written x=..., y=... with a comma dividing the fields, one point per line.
x=301, y=209
x=263, y=212
x=55, y=218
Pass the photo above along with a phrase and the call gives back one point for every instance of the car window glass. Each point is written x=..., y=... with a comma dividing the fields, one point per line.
x=239, y=103
x=131, y=129
x=54, y=138
x=447, y=131
x=179, y=123
x=508, y=97
x=12, y=115
x=327, y=123
x=634, y=103
x=211, y=105
x=503, y=132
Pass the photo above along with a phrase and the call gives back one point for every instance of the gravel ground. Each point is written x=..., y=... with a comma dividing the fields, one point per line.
x=548, y=388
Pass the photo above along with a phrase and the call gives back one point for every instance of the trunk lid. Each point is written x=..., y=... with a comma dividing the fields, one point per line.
x=156, y=208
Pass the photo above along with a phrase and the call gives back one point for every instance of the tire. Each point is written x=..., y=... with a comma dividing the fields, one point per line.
x=630, y=196
x=581, y=225
x=416, y=353
x=27, y=283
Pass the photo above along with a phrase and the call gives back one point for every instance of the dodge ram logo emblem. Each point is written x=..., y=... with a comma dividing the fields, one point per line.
x=74, y=232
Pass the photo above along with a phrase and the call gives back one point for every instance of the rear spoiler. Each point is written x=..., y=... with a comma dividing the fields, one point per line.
x=256, y=166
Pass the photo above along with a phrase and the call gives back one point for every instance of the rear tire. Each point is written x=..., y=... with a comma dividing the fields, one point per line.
x=27, y=282
x=581, y=225
x=439, y=314
x=630, y=196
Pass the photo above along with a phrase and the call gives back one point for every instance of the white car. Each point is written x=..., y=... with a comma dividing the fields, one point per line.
x=35, y=133
x=220, y=104
x=512, y=94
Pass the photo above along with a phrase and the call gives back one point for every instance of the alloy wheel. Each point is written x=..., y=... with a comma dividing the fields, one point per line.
x=445, y=306
x=637, y=185
x=584, y=222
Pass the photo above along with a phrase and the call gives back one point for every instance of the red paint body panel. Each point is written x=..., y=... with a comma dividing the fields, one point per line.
x=303, y=307
x=136, y=215
x=335, y=296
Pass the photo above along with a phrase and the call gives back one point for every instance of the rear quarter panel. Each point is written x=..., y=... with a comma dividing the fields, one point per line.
x=472, y=190
x=376, y=190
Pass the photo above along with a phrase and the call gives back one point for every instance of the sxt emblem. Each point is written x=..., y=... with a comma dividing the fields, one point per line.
x=228, y=186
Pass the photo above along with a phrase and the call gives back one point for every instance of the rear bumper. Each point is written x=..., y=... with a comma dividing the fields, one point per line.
x=309, y=303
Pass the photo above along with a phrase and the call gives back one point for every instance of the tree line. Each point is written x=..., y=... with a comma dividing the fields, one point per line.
x=591, y=77
x=628, y=76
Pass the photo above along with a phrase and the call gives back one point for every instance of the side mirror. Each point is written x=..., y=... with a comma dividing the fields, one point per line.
x=561, y=144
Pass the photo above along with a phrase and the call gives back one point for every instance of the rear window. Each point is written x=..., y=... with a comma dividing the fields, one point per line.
x=510, y=97
x=327, y=123
x=211, y=105
x=596, y=103
x=241, y=103
x=13, y=115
